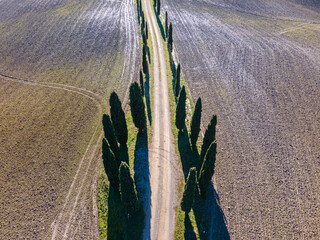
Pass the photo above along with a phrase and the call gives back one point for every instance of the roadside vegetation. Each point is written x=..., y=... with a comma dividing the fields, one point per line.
x=124, y=183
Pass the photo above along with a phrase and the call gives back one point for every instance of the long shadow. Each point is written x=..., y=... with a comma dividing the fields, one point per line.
x=147, y=96
x=141, y=177
x=206, y=211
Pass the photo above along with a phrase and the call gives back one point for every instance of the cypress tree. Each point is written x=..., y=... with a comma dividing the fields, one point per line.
x=110, y=135
x=177, y=85
x=158, y=7
x=147, y=30
x=170, y=39
x=166, y=24
x=127, y=190
x=110, y=164
x=144, y=38
x=207, y=169
x=141, y=83
x=137, y=106
x=118, y=119
x=209, y=136
x=195, y=123
x=189, y=191
x=144, y=59
x=181, y=110
x=123, y=153
x=140, y=8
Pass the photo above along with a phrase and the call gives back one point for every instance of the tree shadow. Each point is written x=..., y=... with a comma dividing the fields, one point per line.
x=189, y=233
x=209, y=216
x=147, y=97
x=163, y=35
x=148, y=53
x=141, y=177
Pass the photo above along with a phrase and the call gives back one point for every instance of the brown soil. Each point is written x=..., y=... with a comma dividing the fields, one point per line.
x=64, y=58
x=264, y=86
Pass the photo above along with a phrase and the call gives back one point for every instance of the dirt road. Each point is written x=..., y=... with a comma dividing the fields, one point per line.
x=162, y=148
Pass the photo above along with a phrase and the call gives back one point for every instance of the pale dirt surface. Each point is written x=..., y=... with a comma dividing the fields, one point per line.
x=265, y=89
x=86, y=48
x=162, y=153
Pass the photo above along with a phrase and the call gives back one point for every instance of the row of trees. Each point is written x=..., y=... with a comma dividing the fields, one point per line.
x=114, y=144
x=208, y=151
x=115, y=155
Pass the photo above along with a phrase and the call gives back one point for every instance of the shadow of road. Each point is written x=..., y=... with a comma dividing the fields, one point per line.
x=208, y=214
x=141, y=177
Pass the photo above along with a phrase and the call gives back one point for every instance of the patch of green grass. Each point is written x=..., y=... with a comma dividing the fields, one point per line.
x=307, y=35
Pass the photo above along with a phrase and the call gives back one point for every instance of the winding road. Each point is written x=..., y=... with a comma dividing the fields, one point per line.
x=162, y=147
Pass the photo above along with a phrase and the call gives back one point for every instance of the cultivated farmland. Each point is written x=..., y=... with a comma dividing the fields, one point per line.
x=58, y=61
x=256, y=65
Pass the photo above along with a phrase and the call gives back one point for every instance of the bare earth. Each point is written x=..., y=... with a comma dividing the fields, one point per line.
x=162, y=152
x=58, y=61
x=256, y=65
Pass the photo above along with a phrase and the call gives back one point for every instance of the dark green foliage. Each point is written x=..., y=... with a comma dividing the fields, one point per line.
x=128, y=191
x=147, y=30
x=177, y=84
x=140, y=7
x=144, y=59
x=158, y=7
x=170, y=40
x=144, y=38
x=111, y=165
x=110, y=135
x=181, y=110
x=195, y=123
x=123, y=153
x=166, y=24
x=209, y=136
x=189, y=191
x=118, y=119
x=137, y=106
x=141, y=83
x=207, y=169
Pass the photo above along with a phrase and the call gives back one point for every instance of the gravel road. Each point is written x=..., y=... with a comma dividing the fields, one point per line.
x=162, y=153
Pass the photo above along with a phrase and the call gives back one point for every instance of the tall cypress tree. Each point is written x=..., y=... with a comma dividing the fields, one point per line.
x=170, y=39
x=140, y=8
x=207, y=169
x=137, y=106
x=141, y=83
x=181, y=110
x=144, y=59
x=158, y=7
x=189, y=191
x=147, y=30
x=110, y=135
x=144, y=38
x=177, y=85
x=209, y=136
x=166, y=24
x=195, y=123
x=127, y=190
x=118, y=119
x=110, y=164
